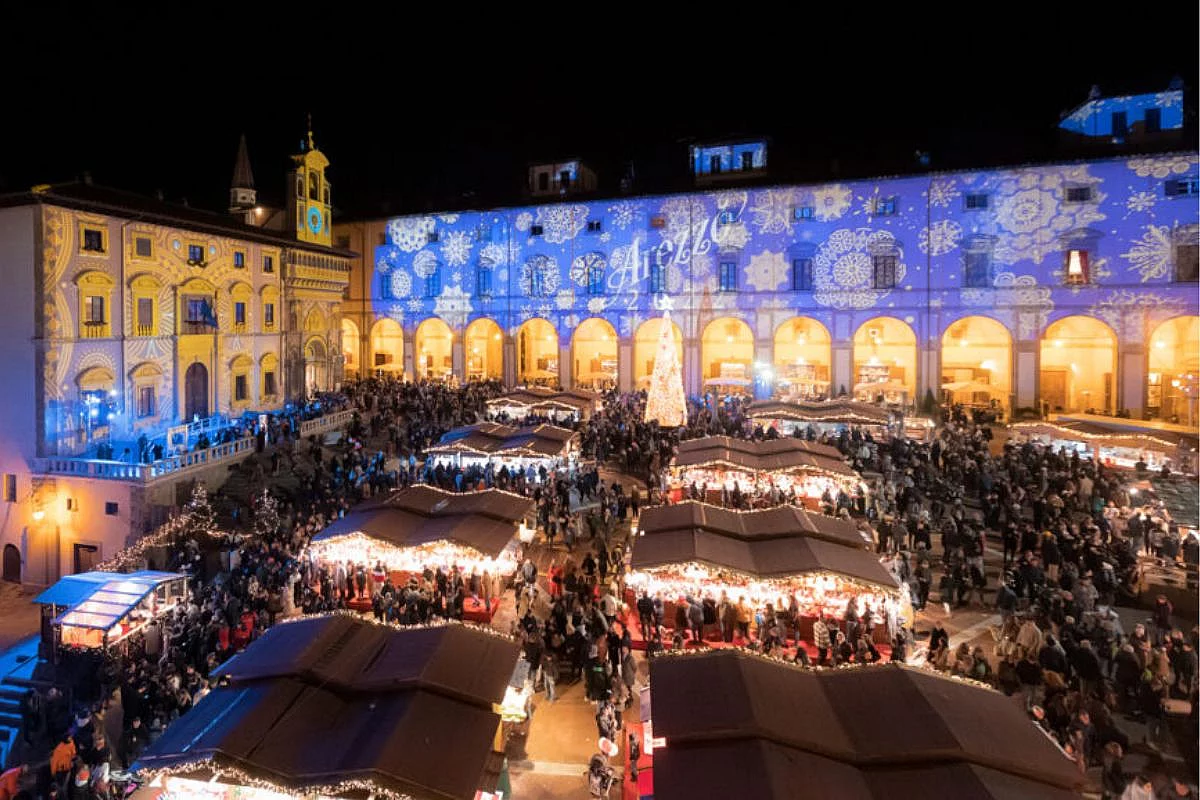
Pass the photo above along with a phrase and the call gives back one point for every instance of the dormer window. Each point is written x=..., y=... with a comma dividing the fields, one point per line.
x=595, y=226
x=431, y=237
x=535, y=230
x=1182, y=187
x=802, y=213
x=747, y=161
x=975, y=201
x=885, y=206
x=1079, y=194
x=726, y=218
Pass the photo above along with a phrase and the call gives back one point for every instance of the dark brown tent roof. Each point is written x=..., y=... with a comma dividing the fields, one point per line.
x=781, y=521
x=537, y=397
x=490, y=438
x=847, y=412
x=872, y=732
x=771, y=455
x=314, y=703
x=486, y=521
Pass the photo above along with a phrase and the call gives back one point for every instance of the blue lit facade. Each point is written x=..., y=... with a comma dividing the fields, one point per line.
x=1103, y=245
x=1118, y=116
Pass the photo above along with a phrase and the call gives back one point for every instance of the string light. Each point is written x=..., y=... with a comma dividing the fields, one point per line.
x=222, y=771
x=396, y=626
x=1070, y=433
x=360, y=548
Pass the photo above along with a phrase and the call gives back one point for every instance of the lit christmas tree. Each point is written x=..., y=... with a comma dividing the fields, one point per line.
x=665, y=401
x=199, y=519
x=266, y=518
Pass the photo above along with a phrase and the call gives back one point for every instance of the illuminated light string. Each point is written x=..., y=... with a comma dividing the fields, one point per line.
x=397, y=626
x=813, y=484
x=223, y=771
x=1069, y=434
x=134, y=556
x=359, y=548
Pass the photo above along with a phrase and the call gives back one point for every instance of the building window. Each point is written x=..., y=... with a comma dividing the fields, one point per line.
x=885, y=206
x=200, y=317
x=239, y=259
x=1079, y=194
x=595, y=225
x=86, y=556
x=145, y=316
x=1182, y=187
x=977, y=269
x=239, y=389
x=484, y=282
x=1120, y=123
x=975, y=201
x=431, y=237
x=543, y=181
x=535, y=230
x=10, y=488
x=94, y=310
x=195, y=254
x=1077, y=267
x=728, y=276
x=595, y=279
x=239, y=314
x=802, y=274
x=1153, y=120
x=714, y=164
x=433, y=282
x=658, y=277
x=111, y=509
x=268, y=263
x=802, y=213
x=93, y=240
x=269, y=315
x=269, y=384
x=1187, y=263
x=747, y=161
x=726, y=218
x=146, y=407
x=537, y=281
x=143, y=247
x=884, y=271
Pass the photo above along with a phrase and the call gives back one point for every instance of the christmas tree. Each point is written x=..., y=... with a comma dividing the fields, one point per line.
x=266, y=518
x=199, y=519
x=665, y=401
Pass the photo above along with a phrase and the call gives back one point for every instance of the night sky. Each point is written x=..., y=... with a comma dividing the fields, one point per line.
x=420, y=122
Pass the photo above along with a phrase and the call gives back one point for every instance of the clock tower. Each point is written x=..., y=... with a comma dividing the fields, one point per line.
x=308, y=194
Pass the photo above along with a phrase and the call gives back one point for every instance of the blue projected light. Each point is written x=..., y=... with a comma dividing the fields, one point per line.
x=316, y=220
x=1117, y=116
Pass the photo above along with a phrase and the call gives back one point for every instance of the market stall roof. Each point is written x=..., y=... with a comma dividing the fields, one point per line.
x=869, y=732
x=881, y=386
x=851, y=412
x=1104, y=436
x=493, y=439
x=485, y=521
x=71, y=590
x=971, y=386
x=326, y=700
x=770, y=523
x=537, y=397
x=768, y=455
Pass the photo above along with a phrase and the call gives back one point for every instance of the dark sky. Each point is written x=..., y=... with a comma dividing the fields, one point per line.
x=415, y=118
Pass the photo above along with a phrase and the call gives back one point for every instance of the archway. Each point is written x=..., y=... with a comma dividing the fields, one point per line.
x=803, y=358
x=727, y=354
x=885, y=361
x=537, y=352
x=387, y=346
x=977, y=361
x=594, y=354
x=434, y=344
x=350, y=347
x=483, y=343
x=1079, y=365
x=645, y=348
x=195, y=392
x=12, y=564
x=1174, y=370
x=316, y=365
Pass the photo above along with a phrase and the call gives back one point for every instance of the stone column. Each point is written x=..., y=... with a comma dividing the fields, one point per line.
x=842, y=369
x=625, y=364
x=410, y=354
x=509, y=372
x=457, y=364
x=693, y=377
x=1131, y=390
x=566, y=369
x=1027, y=356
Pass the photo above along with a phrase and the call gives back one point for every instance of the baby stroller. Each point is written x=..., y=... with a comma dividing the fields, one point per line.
x=599, y=776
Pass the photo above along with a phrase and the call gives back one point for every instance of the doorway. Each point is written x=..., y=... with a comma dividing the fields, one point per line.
x=195, y=383
x=12, y=564
x=86, y=557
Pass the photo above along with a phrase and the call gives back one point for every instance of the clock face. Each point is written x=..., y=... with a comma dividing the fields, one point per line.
x=316, y=220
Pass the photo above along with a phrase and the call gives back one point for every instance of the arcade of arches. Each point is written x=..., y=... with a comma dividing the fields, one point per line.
x=977, y=362
x=1174, y=368
x=350, y=346
x=387, y=347
x=885, y=361
x=594, y=354
x=537, y=352
x=727, y=353
x=434, y=347
x=803, y=356
x=484, y=347
x=1078, y=367
x=645, y=349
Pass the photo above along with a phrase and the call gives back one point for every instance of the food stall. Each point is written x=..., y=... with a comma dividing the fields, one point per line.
x=562, y=405
x=488, y=443
x=830, y=417
x=97, y=610
x=893, y=392
x=1115, y=448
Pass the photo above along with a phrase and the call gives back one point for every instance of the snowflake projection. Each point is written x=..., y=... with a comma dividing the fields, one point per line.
x=1132, y=313
x=1151, y=256
x=606, y=237
x=831, y=202
x=493, y=255
x=1031, y=209
x=734, y=235
x=449, y=219
x=401, y=283
x=501, y=277
x=766, y=271
x=597, y=304
x=410, y=234
x=424, y=263
x=1139, y=202
x=772, y=211
x=525, y=314
x=940, y=238
x=565, y=299
x=686, y=219
x=387, y=259
x=1016, y=300
x=1098, y=272
x=867, y=203
x=771, y=312
x=733, y=202
x=524, y=220
x=454, y=306
x=456, y=276
x=570, y=321
x=843, y=268
x=1168, y=99
x=1161, y=167
x=546, y=270
x=674, y=279
x=562, y=223
x=942, y=192
x=414, y=304
x=702, y=270
x=623, y=214
x=396, y=311
x=456, y=248
x=583, y=265
x=544, y=311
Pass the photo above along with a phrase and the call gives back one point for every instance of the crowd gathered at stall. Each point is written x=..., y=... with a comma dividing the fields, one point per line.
x=1074, y=542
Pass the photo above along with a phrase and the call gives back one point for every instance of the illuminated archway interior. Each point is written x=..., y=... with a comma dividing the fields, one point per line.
x=803, y=356
x=885, y=361
x=1079, y=357
x=976, y=355
x=387, y=346
x=484, y=346
x=350, y=345
x=537, y=352
x=727, y=353
x=1174, y=371
x=434, y=345
x=645, y=348
x=594, y=354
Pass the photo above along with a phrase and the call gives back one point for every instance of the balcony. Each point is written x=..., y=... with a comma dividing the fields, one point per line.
x=93, y=330
x=197, y=327
x=143, y=330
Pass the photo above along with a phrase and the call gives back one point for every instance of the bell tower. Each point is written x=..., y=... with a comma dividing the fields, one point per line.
x=242, y=197
x=308, y=193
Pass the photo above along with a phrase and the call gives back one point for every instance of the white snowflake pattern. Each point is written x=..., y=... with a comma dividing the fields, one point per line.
x=772, y=211
x=1032, y=212
x=454, y=306
x=940, y=238
x=547, y=266
x=424, y=263
x=868, y=203
x=605, y=237
x=396, y=312
x=1168, y=99
x=1161, y=167
x=831, y=202
x=501, y=276
x=843, y=268
x=686, y=219
x=401, y=283
x=456, y=248
x=583, y=264
x=493, y=255
x=1151, y=256
x=449, y=219
x=623, y=214
x=1131, y=313
x=411, y=233
x=766, y=271
x=544, y=311
x=565, y=299
x=734, y=235
x=571, y=321
x=1139, y=202
x=414, y=304
x=942, y=192
x=562, y=223
x=523, y=221
x=597, y=305
x=386, y=259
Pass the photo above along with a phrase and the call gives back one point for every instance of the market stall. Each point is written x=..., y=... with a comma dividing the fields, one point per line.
x=891, y=391
x=697, y=550
x=340, y=707
x=425, y=527
x=789, y=465
x=832, y=416
x=1112, y=447
x=96, y=610
x=488, y=443
x=562, y=405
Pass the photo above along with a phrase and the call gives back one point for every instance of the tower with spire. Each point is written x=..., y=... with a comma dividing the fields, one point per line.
x=308, y=193
x=242, y=196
